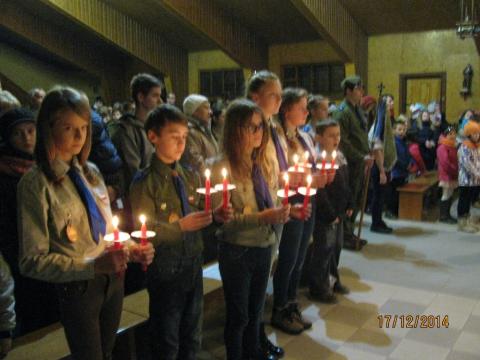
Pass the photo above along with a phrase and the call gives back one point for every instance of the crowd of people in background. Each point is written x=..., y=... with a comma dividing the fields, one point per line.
x=66, y=166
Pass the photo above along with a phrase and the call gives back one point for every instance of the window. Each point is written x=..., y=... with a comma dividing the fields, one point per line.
x=228, y=84
x=322, y=79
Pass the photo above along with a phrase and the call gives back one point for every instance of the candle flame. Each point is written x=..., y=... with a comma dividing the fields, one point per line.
x=307, y=155
x=324, y=154
x=295, y=158
x=224, y=173
x=285, y=178
x=334, y=154
x=143, y=219
x=115, y=221
x=309, y=180
x=207, y=173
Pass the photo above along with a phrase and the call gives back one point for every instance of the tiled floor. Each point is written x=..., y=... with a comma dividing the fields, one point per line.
x=423, y=268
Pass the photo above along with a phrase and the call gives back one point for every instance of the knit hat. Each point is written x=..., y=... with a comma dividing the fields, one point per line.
x=13, y=117
x=192, y=103
x=471, y=128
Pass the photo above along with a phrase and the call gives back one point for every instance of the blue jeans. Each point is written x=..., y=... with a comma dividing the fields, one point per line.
x=291, y=256
x=176, y=309
x=244, y=272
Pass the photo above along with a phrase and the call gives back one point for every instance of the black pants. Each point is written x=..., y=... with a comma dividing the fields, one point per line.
x=356, y=175
x=90, y=314
x=176, y=308
x=392, y=197
x=467, y=195
x=378, y=196
x=244, y=272
x=325, y=257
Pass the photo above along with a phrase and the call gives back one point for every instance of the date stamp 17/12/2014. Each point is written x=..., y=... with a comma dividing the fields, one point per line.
x=412, y=321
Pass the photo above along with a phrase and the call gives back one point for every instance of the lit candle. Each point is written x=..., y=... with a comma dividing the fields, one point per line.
x=143, y=230
x=324, y=160
x=306, y=199
x=207, y=190
x=334, y=155
x=286, y=189
x=295, y=161
x=225, y=188
x=143, y=238
x=116, y=233
x=306, y=156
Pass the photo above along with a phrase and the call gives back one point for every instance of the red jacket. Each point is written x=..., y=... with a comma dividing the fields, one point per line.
x=414, y=150
x=447, y=160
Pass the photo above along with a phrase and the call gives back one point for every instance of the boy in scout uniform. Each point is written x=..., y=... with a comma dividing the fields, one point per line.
x=165, y=192
x=354, y=145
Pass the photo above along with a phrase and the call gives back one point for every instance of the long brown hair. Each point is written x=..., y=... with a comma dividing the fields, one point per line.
x=238, y=116
x=58, y=100
x=290, y=97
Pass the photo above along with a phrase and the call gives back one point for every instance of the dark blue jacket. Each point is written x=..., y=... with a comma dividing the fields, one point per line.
x=400, y=170
x=104, y=154
x=428, y=155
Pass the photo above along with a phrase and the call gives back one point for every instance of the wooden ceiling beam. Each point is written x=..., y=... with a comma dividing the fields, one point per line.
x=236, y=40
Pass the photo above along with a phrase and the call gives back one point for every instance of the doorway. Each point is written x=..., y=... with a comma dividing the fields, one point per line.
x=422, y=88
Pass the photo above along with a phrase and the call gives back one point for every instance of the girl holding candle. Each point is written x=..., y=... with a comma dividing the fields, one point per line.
x=63, y=214
x=296, y=234
x=334, y=205
x=264, y=89
x=245, y=246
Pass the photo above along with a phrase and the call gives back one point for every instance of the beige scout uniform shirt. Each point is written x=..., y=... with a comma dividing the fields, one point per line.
x=245, y=228
x=45, y=209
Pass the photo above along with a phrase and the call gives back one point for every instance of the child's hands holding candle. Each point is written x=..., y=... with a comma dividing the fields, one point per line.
x=298, y=212
x=195, y=221
x=142, y=253
x=277, y=215
x=223, y=214
x=112, y=261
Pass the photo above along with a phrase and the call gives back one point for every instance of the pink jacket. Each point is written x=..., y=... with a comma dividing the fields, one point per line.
x=414, y=150
x=447, y=160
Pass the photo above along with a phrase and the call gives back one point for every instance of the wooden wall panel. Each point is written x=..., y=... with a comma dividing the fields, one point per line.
x=59, y=41
x=131, y=36
x=240, y=43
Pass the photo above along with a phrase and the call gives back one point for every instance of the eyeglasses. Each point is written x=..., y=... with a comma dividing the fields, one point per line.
x=252, y=129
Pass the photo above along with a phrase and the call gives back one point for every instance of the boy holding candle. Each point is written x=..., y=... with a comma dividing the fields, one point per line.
x=165, y=192
x=334, y=205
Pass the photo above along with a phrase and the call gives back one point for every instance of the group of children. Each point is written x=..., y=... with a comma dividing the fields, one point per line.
x=453, y=152
x=64, y=213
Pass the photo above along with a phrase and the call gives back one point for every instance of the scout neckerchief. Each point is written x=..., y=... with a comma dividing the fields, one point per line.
x=95, y=218
x=180, y=189
x=282, y=161
x=260, y=187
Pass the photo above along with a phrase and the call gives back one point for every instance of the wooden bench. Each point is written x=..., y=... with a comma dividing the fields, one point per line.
x=412, y=195
x=49, y=343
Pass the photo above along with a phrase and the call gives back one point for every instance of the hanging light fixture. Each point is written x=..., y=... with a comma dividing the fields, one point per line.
x=468, y=26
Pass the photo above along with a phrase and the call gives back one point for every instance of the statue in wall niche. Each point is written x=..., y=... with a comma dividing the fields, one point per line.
x=467, y=81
